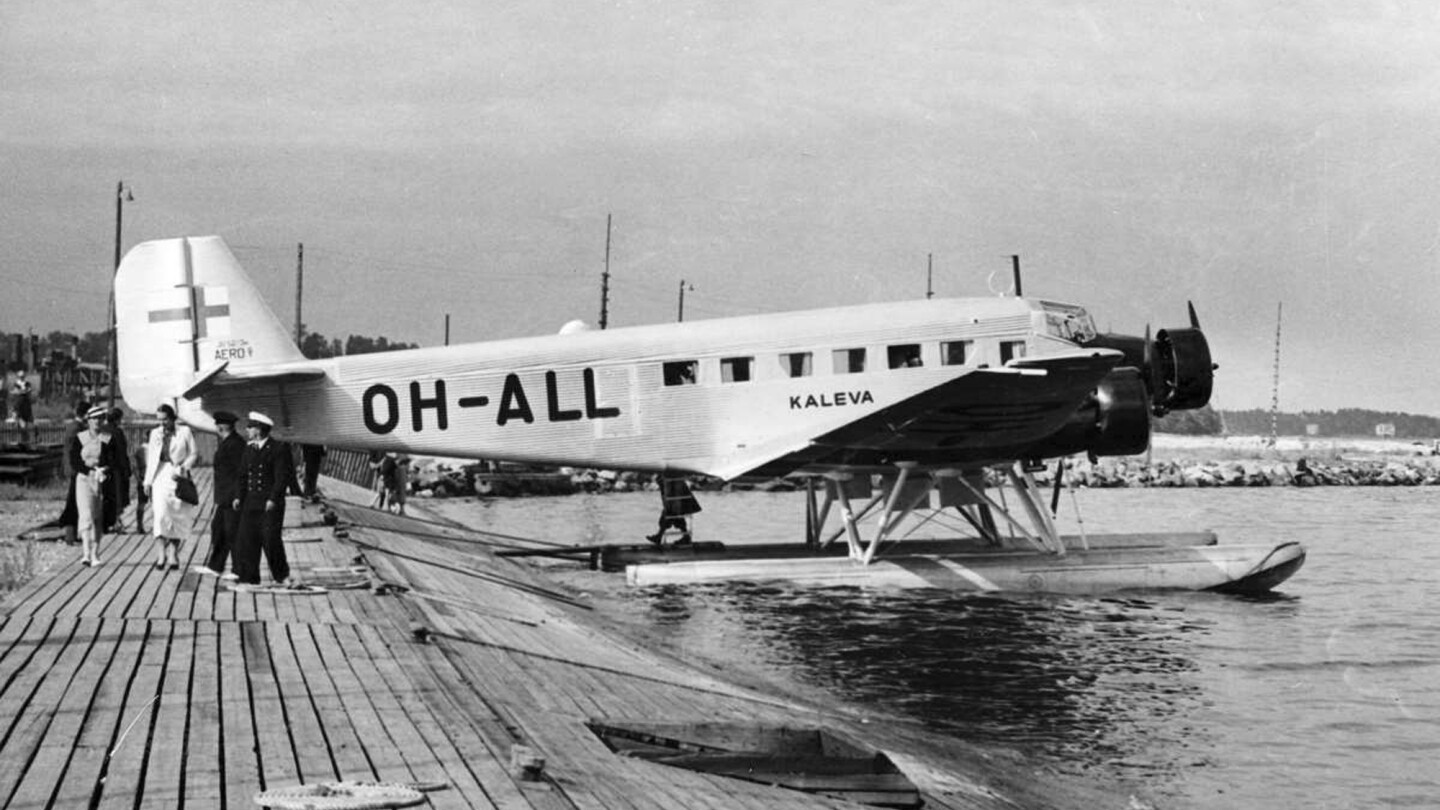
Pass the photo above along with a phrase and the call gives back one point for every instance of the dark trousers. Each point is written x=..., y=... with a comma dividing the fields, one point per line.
x=260, y=531
x=224, y=532
x=312, y=472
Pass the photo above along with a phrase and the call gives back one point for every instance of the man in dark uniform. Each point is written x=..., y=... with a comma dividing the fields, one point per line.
x=314, y=455
x=676, y=501
x=265, y=471
x=228, y=466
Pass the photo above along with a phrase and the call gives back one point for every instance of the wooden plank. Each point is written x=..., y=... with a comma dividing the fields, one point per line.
x=238, y=752
x=103, y=717
x=127, y=571
x=476, y=734
x=204, y=756
x=123, y=776
x=14, y=651
x=388, y=750
x=326, y=680
x=24, y=773
x=163, y=782
x=55, y=765
x=35, y=653
x=444, y=763
x=224, y=609
x=307, y=732
x=278, y=763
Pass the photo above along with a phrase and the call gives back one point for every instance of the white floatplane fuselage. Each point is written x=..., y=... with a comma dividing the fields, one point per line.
x=918, y=391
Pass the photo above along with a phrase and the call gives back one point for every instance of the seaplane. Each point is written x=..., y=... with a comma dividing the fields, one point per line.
x=882, y=410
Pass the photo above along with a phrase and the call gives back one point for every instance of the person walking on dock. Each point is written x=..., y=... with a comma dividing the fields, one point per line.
x=70, y=515
x=169, y=455
x=313, y=455
x=92, y=457
x=265, y=471
x=117, y=488
x=228, y=469
x=22, y=389
x=676, y=501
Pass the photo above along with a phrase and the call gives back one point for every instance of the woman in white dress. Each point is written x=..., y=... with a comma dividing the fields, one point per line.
x=169, y=454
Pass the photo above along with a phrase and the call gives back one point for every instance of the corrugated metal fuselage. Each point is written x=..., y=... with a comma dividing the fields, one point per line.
x=601, y=398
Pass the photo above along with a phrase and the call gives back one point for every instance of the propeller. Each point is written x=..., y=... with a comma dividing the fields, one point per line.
x=1174, y=364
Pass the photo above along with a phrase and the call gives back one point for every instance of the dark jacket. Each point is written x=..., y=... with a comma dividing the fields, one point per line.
x=107, y=455
x=266, y=472
x=229, y=469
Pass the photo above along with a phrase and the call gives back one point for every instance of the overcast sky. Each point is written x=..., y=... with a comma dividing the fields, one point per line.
x=461, y=158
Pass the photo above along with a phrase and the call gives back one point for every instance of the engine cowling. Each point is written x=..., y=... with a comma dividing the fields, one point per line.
x=1113, y=421
x=1185, y=369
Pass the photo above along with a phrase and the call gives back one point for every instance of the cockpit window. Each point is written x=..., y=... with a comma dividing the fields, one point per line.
x=1069, y=322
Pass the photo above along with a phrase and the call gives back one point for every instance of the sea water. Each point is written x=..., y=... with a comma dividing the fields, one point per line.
x=1325, y=694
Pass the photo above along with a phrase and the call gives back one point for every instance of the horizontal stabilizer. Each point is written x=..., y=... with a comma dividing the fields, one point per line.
x=221, y=377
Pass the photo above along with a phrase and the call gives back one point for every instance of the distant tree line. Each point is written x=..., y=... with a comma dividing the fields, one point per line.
x=55, y=348
x=315, y=345
x=1199, y=422
x=1344, y=422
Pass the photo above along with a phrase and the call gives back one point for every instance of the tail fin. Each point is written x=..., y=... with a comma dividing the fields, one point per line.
x=183, y=306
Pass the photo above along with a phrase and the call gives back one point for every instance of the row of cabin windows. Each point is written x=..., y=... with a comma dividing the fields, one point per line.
x=842, y=361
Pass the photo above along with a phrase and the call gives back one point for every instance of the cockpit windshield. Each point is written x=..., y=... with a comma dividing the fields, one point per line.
x=1068, y=322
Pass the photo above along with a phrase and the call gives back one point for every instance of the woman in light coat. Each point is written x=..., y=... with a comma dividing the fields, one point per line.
x=169, y=454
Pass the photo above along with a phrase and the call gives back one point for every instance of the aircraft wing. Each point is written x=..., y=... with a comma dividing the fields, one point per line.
x=986, y=415
x=220, y=376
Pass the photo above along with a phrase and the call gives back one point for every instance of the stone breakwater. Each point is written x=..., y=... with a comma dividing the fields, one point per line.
x=438, y=478
x=1258, y=473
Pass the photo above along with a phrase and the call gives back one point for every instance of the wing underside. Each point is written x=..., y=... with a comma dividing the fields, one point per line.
x=982, y=417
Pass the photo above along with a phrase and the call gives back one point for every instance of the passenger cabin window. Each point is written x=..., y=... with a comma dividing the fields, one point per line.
x=1010, y=350
x=797, y=364
x=680, y=372
x=904, y=356
x=735, y=369
x=849, y=361
x=954, y=352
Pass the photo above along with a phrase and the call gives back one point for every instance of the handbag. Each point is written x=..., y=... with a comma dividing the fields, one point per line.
x=185, y=490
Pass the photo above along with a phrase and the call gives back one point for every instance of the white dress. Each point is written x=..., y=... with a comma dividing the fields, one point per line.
x=172, y=517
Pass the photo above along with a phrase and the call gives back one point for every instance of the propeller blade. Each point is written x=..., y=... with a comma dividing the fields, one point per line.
x=1194, y=319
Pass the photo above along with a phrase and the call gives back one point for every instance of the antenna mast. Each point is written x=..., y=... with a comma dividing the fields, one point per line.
x=605, y=279
x=299, y=288
x=1275, y=387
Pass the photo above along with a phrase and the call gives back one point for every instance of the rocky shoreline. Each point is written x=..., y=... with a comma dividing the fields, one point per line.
x=1251, y=473
x=1105, y=473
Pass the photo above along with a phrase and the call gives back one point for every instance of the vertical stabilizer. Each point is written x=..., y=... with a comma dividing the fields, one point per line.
x=184, y=306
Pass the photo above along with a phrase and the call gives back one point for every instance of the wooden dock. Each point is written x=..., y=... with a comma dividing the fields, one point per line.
x=427, y=661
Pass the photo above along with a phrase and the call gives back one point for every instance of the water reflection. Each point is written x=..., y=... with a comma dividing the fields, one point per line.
x=1087, y=681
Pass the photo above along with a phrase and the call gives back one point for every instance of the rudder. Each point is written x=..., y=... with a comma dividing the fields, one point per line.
x=183, y=306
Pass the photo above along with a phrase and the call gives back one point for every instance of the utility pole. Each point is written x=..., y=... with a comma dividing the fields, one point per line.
x=605, y=280
x=299, y=287
x=1275, y=386
x=929, y=275
x=122, y=196
x=447, y=329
